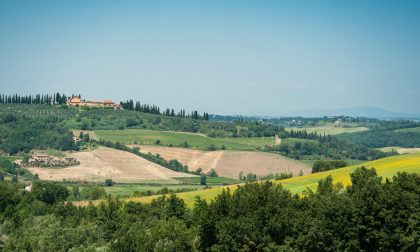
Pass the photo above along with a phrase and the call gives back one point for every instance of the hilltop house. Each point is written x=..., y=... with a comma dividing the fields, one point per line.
x=77, y=101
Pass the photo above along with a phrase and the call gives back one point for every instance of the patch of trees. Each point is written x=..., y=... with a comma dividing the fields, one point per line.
x=7, y=166
x=203, y=179
x=277, y=176
x=55, y=98
x=249, y=177
x=369, y=215
x=88, y=192
x=21, y=134
x=153, y=109
x=325, y=147
x=380, y=138
x=50, y=193
x=106, y=119
x=100, y=119
x=394, y=125
x=326, y=165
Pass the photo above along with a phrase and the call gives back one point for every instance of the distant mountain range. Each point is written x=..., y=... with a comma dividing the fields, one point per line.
x=371, y=112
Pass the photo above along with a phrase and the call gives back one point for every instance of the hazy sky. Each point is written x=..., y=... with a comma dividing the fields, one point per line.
x=226, y=57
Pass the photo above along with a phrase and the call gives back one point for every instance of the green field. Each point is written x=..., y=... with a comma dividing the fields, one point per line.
x=150, y=137
x=413, y=130
x=210, y=180
x=400, y=150
x=389, y=148
x=386, y=167
x=129, y=190
x=292, y=140
x=329, y=129
x=52, y=152
x=189, y=183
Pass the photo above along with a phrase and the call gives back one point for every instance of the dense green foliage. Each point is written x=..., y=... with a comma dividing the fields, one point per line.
x=326, y=165
x=44, y=126
x=367, y=216
x=323, y=147
x=211, y=181
x=49, y=193
x=106, y=119
x=103, y=119
x=153, y=109
x=182, y=139
x=20, y=133
x=383, y=138
x=7, y=167
x=55, y=98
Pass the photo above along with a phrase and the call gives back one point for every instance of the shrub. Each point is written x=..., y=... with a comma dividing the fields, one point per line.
x=203, y=179
x=109, y=182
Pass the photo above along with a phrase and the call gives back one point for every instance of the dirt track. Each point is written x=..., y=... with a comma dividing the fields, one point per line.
x=104, y=163
x=229, y=163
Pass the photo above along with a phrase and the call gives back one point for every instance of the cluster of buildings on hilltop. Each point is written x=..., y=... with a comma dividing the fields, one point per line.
x=77, y=101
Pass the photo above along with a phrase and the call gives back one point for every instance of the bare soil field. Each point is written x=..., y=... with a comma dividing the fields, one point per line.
x=106, y=163
x=229, y=163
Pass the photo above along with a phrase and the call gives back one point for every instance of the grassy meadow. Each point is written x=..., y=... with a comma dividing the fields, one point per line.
x=130, y=190
x=413, y=130
x=188, y=183
x=400, y=150
x=210, y=180
x=170, y=138
x=329, y=129
x=386, y=167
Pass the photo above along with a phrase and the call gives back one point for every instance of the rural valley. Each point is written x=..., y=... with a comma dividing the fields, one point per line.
x=91, y=157
x=211, y=126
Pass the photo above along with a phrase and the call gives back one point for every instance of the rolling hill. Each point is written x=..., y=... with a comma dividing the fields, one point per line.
x=386, y=167
x=172, y=138
x=106, y=163
x=229, y=163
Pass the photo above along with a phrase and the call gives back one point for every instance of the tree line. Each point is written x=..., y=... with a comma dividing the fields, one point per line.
x=369, y=215
x=48, y=99
x=22, y=134
x=153, y=109
x=324, y=147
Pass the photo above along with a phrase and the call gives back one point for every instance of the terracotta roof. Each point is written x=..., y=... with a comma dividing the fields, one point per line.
x=108, y=101
x=75, y=100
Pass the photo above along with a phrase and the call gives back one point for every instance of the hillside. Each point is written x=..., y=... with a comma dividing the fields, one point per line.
x=229, y=163
x=386, y=167
x=106, y=163
x=329, y=129
x=185, y=139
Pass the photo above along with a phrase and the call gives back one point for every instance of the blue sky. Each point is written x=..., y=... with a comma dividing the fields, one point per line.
x=226, y=57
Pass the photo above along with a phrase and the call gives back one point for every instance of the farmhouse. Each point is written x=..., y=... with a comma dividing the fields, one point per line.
x=43, y=158
x=77, y=101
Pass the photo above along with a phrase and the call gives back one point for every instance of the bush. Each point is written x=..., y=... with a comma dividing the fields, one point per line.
x=203, y=179
x=212, y=173
x=326, y=165
x=49, y=193
x=109, y=182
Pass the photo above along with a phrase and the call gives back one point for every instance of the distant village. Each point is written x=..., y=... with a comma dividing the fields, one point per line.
x=78, y=102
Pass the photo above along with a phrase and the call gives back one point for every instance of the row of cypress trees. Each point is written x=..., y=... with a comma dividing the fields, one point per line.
x=153, y=109
x=55, y=98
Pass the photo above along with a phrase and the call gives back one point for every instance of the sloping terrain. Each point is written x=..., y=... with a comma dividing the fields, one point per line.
x=180, y=139
x=400, y=150
x=229, y=163
x=106, y=163
x=329, y=129
x=386, y=167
